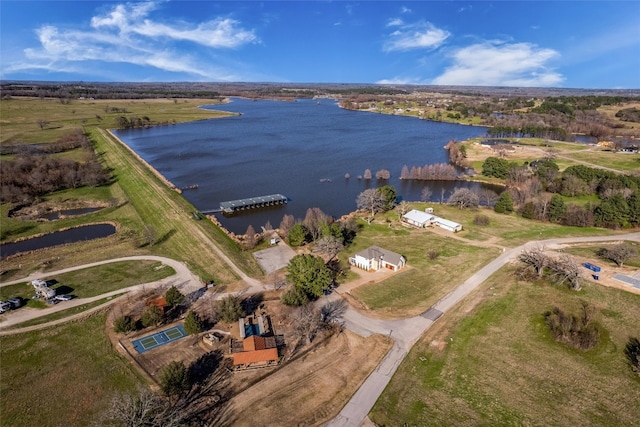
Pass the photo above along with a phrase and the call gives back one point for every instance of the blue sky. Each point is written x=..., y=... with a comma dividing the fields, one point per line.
x=577, y=44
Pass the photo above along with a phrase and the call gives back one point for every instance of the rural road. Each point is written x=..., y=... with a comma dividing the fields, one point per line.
x=183, y=279
x=406, y=332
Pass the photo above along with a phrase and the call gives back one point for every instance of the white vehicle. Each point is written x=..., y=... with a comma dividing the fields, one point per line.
x=5, y=306
x=63, y=297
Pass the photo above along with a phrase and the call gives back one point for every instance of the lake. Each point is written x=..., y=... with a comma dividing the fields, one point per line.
x=301, y=149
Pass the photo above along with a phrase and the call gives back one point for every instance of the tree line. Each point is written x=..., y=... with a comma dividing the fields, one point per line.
x=538, y=191
x=32, y=175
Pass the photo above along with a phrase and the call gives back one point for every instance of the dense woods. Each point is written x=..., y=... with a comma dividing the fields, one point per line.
x=538, y=191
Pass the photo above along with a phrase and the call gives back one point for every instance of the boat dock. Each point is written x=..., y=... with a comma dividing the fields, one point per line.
x=250, y=203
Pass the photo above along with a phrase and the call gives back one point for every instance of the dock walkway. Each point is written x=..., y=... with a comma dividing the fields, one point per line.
x=251, y=203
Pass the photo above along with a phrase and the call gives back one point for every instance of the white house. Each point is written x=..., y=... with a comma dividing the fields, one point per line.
x=426, y=219
x=374, y=258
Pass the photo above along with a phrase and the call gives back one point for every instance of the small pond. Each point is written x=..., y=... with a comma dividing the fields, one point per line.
x=73, y=235
x=52, y=216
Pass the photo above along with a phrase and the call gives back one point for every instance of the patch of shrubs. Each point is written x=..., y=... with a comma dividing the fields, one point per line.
x=574, y=331
x=481, y=220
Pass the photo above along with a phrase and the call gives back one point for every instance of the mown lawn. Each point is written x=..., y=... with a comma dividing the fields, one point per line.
x=62, y=376
x=499, y=365
x=97, y=280
x=415, y=289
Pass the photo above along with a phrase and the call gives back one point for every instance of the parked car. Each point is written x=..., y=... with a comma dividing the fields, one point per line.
x=5, y=306
x=52, y=301
x=16, y=302
x=63, y=297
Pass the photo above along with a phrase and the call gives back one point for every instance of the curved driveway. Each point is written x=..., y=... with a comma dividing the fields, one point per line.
x=404, y=332
x=183, y=279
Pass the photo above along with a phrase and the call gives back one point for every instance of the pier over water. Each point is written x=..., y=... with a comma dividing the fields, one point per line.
x=250, y=203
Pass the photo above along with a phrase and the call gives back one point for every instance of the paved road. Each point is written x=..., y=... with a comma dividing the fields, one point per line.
x=406, y=332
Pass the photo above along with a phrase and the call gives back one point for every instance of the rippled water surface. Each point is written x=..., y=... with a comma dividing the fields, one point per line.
x=301, y=149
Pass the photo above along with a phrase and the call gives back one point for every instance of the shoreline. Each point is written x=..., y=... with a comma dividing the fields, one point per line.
x=145, y=163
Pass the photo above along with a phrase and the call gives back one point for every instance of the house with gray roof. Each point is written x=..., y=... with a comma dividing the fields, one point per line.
x=375, y=258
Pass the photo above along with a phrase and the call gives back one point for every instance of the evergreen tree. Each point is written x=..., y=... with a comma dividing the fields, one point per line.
x=193, y=324
x=557, y=208
x=298, y=235
x=173, y=296
x=309, y=273
x=504, y=203
x=174, y=379
x=528, y=211
x=151, y=316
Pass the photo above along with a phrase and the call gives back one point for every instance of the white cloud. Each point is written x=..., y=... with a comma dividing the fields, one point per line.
x=218, y=33
x=421, y=35
x=128, y=34
x=405, y=9
x=395, y=22
x=500, y=64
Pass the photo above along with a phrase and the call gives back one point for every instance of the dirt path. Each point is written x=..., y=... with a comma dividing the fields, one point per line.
x=183, y=279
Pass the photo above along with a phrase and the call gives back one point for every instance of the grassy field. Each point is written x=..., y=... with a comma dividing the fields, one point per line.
x=499, y=366
x=61, y=376
x=415, y=289
x=64, y=313
x=138, y=199
x=591, y=251
x=20, y=115
x=94, y=281
x=567, y=154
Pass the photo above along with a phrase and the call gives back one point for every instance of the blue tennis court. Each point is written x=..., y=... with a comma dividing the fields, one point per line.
x=159, y=338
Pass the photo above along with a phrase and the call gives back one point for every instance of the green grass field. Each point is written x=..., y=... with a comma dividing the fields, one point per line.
x=499, y=365
x=61, y=376
x=138, y=199
x=94, y=281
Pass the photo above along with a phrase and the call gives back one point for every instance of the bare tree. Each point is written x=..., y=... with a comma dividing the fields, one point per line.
x=328, y=245
x=314, y=220
x=402, y=208
x=487, y=197
x=425, y=195
x=371, y=200
x=566, y=270
x=277, y=280
x=464, y=198
x=250, y=237
x=333, y=311
x=287, y=223
x=535, y=258
x=619, y=253
x=367, y=174
x=42, y=123
x=383, y=174
x=307, y=323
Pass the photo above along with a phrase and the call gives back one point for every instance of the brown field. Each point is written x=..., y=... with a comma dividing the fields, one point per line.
x=311, y=389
